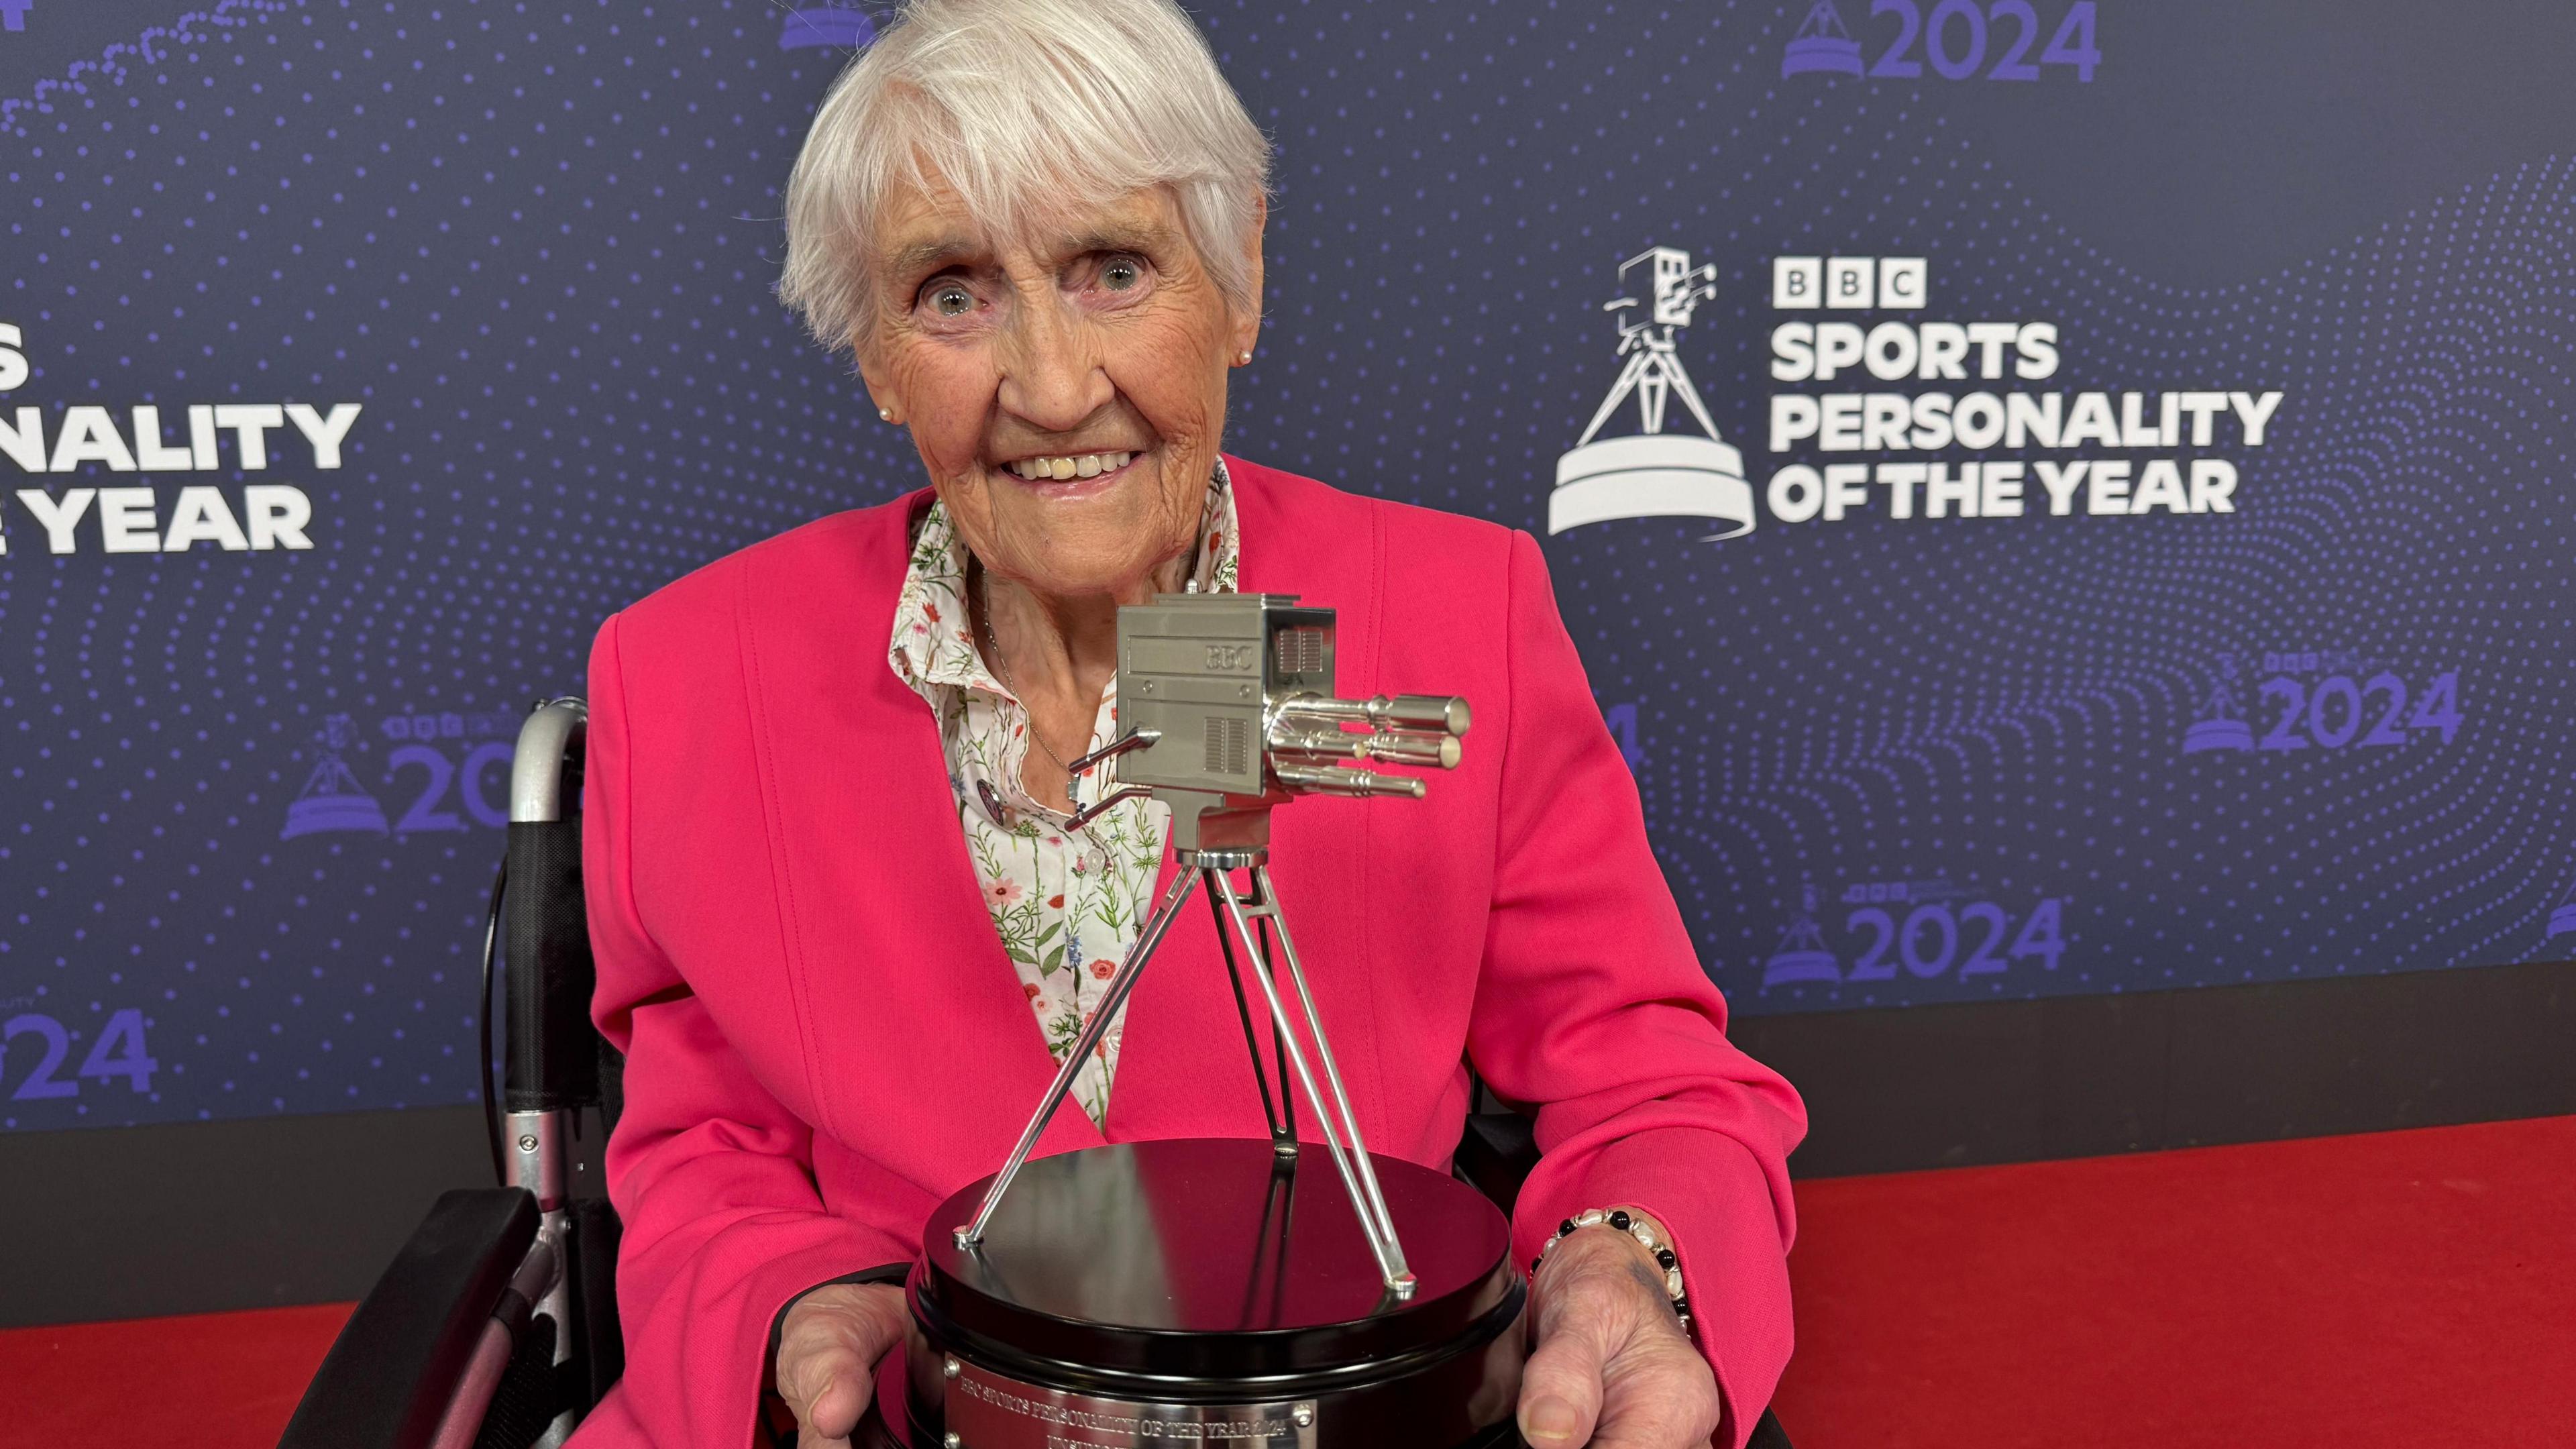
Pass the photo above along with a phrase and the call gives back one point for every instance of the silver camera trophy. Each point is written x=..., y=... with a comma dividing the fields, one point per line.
x=1184, y=1290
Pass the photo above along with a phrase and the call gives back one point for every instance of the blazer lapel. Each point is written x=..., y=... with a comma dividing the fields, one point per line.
x=912, y=1009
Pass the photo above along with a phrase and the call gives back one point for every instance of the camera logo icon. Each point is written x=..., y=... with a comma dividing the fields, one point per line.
x=1822, y=45
x=1654, y=474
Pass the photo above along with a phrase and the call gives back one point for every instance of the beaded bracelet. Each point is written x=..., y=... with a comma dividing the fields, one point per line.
x=1643, y=1232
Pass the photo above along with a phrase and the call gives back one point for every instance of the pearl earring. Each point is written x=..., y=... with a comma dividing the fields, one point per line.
x=1242, y=358
x=886, y=413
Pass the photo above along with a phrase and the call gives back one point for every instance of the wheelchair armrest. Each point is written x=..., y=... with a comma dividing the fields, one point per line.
x=398, y=1360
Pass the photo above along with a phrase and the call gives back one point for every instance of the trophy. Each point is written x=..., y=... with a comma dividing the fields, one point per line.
x=1212, y=1291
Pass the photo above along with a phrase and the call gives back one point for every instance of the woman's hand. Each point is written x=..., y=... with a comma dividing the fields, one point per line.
x=827, y=1357
x=1613, y=1368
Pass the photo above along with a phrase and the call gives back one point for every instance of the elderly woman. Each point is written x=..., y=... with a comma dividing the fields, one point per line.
x=845, y=924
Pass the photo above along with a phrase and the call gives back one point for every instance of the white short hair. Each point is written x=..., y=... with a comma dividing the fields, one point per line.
x=1022, y=107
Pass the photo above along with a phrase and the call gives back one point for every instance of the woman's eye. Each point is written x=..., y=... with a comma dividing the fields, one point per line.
x=1121, y=274
x=951, y=300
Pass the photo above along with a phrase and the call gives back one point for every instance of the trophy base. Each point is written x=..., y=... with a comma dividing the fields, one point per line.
x=1208, y=1291
x=872, y=1433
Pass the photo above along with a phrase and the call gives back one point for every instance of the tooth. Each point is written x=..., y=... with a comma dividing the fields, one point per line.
x=1088, y=466
x=1063, y=468
x=1120, y=460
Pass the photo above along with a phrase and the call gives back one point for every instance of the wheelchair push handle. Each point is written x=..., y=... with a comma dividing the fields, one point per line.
x=552, y=1060
x=545, y=768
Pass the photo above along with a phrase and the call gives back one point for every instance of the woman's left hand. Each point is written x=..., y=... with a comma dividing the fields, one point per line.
x=1613, y=1368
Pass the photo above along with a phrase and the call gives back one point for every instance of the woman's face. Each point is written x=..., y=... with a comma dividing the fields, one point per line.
x=1066, y=396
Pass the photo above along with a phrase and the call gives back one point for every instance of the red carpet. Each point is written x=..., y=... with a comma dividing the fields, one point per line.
x=212, y=1381
x=2401, y=1288
x=2411, y=1289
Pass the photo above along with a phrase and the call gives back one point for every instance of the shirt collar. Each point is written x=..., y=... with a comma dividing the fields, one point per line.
x=933, y=643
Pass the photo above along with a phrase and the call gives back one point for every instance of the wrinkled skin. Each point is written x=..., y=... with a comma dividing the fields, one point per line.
x=1612, y=1369
x=827, y=1355
x=1109, y=336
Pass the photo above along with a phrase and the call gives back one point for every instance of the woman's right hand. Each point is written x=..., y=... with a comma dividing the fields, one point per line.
x=827, y=1357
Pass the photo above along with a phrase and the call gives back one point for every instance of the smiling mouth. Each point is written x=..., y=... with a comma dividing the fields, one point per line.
x=1064, y=467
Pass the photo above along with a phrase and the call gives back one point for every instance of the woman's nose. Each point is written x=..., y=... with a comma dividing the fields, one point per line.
x=1051, y=373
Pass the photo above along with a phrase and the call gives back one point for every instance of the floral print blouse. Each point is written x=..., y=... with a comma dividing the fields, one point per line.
x=1067, y=904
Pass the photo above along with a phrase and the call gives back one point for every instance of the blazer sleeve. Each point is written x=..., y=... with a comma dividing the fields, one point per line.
x=1593, y=1007
x=711, y=1174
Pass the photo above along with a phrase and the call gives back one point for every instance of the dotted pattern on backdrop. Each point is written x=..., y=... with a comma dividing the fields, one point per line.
x=536, y=241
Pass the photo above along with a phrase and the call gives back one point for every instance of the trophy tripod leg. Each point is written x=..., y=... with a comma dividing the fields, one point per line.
x=1333, y=1113
x=1283, y=1128
x=1269, y=908
x=1101, y=1016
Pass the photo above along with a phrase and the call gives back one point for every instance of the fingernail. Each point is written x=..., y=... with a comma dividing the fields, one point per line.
x=1550, y=1419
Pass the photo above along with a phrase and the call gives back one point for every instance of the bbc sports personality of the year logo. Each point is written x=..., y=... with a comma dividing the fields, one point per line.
x=1965, y=418
x=1654, y=474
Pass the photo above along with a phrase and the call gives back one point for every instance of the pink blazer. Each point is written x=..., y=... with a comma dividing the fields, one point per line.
x=824, y=1038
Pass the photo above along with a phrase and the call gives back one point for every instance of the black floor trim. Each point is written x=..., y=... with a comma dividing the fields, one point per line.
x=131, y=1222
x=2081, y=1076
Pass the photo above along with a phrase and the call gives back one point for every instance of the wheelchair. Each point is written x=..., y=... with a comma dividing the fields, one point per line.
x=496, y=1325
